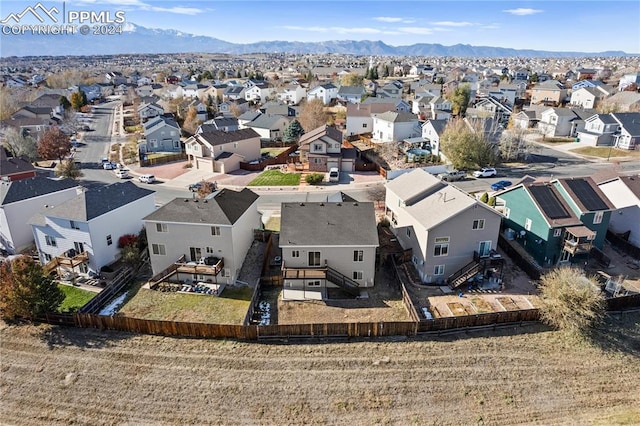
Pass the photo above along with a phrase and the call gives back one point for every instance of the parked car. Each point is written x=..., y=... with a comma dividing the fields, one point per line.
x=485, y=172
x=195, y=187
x=122, y=173
x=147, y=178
x=501, y=184
x=109, y=165
x=452, y=176
x=334, y=175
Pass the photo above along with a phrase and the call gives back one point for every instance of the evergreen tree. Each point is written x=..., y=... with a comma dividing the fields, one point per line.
x=292, y=132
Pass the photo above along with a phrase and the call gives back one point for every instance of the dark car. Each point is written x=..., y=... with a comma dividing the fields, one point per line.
x=501, y=184
x=195, y=187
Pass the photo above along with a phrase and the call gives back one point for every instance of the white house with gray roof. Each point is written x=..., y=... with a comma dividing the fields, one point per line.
x=325, y=92
x=269, y=127
x=393, y=126
x=442, y=225
x=327, y=245
x=162, y=134
x=21, y=199
x=212, y=235
x=220, y=151
x=350, y=94
x=91, y=223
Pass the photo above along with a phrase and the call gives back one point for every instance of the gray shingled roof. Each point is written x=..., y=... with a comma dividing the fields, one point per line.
x=220, y=137
x=23, y=189
x=320, y=132
x=397, y=117
x=328, y=224
x=224, y=208
x=630, y=121
x=13, y=165
x=351, y=90
x=96, y=202
x=264, y=121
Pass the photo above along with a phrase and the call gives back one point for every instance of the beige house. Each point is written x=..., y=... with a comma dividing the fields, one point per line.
x=207, y=240
x=322, y=149
x=221, y=152
x=445, y=228
x=551, y=92
x=327, y=245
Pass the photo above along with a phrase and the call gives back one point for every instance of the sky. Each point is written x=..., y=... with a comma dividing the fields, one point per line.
x=583, y=26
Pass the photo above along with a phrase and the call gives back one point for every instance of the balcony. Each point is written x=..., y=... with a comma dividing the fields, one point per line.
x=205, y=266
x=577, y=247
x=69, y=260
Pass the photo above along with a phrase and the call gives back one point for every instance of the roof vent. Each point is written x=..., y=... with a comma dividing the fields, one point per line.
x=322, y=204
x=186, y=200
x=355, y=204
x=338, y=204
x=302, y=204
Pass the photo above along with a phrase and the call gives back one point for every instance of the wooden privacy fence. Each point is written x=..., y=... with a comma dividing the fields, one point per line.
x=623, y=245
x=156, y=161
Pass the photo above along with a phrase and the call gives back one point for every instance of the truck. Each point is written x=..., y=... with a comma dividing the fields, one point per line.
x=453, y=175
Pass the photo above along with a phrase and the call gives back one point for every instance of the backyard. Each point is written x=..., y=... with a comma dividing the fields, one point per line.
x=74, y=297
x=276, y=178
x=229, y=308
x=515, y=375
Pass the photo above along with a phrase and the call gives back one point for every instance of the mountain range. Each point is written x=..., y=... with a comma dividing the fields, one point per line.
x=137, y=39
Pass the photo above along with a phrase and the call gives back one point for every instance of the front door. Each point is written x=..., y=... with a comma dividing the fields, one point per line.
x=484, y=248
x=564, y=257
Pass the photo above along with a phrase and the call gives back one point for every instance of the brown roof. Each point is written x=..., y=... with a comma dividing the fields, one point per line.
x=320, y=132
x=13, y=165
x=633, y=182
x=581, y=231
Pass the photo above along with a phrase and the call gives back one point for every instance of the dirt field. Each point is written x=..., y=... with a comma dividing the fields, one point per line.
x=53, y=375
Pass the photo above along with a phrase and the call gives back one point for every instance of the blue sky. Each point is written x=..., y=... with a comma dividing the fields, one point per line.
x=587, y=26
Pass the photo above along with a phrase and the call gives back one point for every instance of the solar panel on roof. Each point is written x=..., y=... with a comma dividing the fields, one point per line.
x=587, y=195
x=549, y=202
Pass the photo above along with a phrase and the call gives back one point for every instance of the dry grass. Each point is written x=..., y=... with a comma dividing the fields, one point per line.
x=52, y=375
x=605, y=152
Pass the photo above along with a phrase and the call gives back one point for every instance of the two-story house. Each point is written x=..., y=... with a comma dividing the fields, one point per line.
x=87, y=227
x=588, y=97
x=21, y=199
x=559, y=221
x=550, y=92
x=445, y=228
x=360, y=116
x=322, y=149
x=431, y=132
x=220, y=151
x=228, y=124
x=325, y=92
x=392, y=126
x=206, y=239
x=350, y=94
x=556, y=122
x=269, y=127
x=327, y=245
x=148, y=111
x=162, y=134
x=599, y=130
x=624, y=193
x=292, y=94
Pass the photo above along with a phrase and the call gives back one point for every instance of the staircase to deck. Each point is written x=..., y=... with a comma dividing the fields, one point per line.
x=456, y=279
x=343, y=281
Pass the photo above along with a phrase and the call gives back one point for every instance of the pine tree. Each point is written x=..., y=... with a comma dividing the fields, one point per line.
x=292, y=132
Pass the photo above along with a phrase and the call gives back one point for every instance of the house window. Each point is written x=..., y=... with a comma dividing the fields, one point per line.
x=317, y=161
x=441, y=249
x=314, y=258
x=557, y=232
x=215, y=230
x=317, y=147
x=295, y=253
x=364, y=125
x=597, y=218
x=358, y=255
x=176, y=144
x=235, y=144
x=409, y=232
x=438, y=270
x=507, y=212
x=357, y=275
x=527, y=224
x=313, y=283
x=109, y=240
x=46, y=257
x=161, y=227
x=478, y=224
x=50, y=241
x=74, y=225
x=158, y=249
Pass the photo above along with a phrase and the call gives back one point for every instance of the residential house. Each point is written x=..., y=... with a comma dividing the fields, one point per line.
x=392, y=89
x=14, y=168
x=260, y=92
x=325, y=92
x=202, y=113
x=292, y=94
x=586, y=73
x=556, y=122
x=559, y=221
x=350, y=94
x=269, y=127
x=624, y=101
x=162, y=134
x=144, y=90
x=550, y=92
x=529, y=117
x=392, y=126
x=222, y=151
x=431, y=132
x=440, y=108
x=231, y=107
x=444, y=228
x=31, y=111
x=20, y=199
x=587, y=97
x=227, y=124
x=519, y=74
x=628, y=136
x=624, y=193
x=360, y=116
x=322, y=149
x=394, y=104
x=90, y=224
x=277, y=108
x=327, y=245
x=629, y=79
x=206, y=239
x=33, y=127
x=148, y=111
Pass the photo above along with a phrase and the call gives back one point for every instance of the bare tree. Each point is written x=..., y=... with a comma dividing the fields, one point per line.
x=20, y=145
x=312, y=115
x=514, y=145
x=8, y=103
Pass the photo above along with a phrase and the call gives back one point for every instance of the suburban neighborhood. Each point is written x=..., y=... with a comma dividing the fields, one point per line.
x=280, y=198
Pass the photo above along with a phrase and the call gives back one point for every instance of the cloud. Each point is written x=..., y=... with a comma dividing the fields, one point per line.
x=416, y=30
x=522, y=11
x=393, y=20
x=140, y=5
x=453, y=24
x=338, y=30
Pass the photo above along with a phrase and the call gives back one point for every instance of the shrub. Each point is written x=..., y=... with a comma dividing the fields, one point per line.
x=484, y=198
x=492, y=201
x=127, y=240
x=314, y=178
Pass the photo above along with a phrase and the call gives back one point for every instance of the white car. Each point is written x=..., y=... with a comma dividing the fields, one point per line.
x=122, y=173
x=109, y=165
x=147, y=178
x=485, y=172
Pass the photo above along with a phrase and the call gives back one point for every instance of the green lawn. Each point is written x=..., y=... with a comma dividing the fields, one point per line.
x=603, y=152
x=74, y=297
x=273, y=224
x=276, y=178
x=229, y=308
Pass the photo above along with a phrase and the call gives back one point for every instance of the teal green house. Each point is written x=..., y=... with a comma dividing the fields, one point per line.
x=557, y=221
